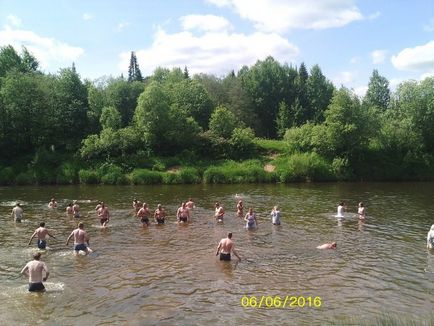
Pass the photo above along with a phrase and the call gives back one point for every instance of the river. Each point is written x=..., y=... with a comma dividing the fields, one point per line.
x=169, y=274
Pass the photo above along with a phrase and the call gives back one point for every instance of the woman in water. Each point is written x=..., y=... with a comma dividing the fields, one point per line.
x=341, y=210
x=250, y=218
x=275, y=215
x=430, y=238
x=240, y=209
x=361, y=211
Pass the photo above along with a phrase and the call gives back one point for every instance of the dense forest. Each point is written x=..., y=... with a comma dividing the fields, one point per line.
x=270, y=122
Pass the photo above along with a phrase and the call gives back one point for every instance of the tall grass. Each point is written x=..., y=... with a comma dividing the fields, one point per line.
x=233, y=172
x=145, y=177
x=271, y=145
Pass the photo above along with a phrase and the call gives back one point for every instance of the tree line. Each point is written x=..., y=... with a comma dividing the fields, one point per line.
x=62, y=123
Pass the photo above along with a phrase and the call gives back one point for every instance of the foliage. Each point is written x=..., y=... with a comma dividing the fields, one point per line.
x=110, y=118
x=145, y=177
x=7, y=176
x=233, y=172
x=222, y=122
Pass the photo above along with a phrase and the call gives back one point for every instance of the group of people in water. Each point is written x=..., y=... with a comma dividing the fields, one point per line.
x=225, y=248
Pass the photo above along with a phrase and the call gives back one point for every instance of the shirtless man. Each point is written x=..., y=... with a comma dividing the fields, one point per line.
x=69, y=209
x=225, y=247
x=144, y=214
x=103, y=214
x=75, y=209
x=219, y=212
x=17, y=213
x=80, y=238
x=183, y=214
x=160, y=214
x=52, y=203
x=331, y=245
x=34, y=270
x=98, y=206
x=137, y=205
x=42, y=233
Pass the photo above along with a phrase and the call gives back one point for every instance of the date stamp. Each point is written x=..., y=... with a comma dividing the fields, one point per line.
x=280, y=302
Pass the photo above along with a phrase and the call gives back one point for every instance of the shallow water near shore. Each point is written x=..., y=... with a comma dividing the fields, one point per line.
x=170, y=275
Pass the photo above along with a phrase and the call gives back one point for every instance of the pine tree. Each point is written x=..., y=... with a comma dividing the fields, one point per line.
x=134, y=73
x=186, y=74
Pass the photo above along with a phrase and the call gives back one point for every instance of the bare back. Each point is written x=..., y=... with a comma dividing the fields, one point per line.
x=80, y=236
x=226, y=245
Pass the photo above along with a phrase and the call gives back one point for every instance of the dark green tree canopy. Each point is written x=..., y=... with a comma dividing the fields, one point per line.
x=134, y=73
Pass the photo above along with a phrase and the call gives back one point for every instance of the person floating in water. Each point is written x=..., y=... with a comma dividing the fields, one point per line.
x=250, y=218
x=183, y=214
x=34, y=270
x=144, y=214
x=219, y=212
x=341, y=210
x=160, y=215
x=225, y=247
x=80, y=239
x=17, y=213
x=240, y=209
x=430, y=238
x=52, y=203
x=103, y=214
x=331, y=245
x=42, y=233
x=361, y=211
x=275, y=215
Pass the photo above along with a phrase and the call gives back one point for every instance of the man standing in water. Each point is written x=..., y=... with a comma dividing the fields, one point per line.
x=75, y=209
x=183, y=214
x=225, y=247
x=42, y=233
x=52, y=203
x=103, y=214
x=34, y=270
x=17, y=213
x=144, y=214
x=160, y=214
x=80, y=238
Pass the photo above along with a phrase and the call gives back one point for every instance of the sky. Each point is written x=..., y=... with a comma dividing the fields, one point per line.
x=348, y=39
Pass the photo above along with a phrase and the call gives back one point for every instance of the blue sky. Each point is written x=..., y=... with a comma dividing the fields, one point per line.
x=347, y=38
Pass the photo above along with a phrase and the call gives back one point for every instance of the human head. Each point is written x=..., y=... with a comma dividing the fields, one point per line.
x=230, y=235
x=52, y=199
x=42, y=224
x=159, y=206
x=333, y=245
x=217, y=204
x=250, y=210
x=18, y=204
x=70, y=204
x=183, y=205
x=135, y=200
x=36, y=255
x=145, y=205
x=341, y=203
x=361, y=204
x=80, y=225
x=432, y=227
x=276, y=208
x=189, y=199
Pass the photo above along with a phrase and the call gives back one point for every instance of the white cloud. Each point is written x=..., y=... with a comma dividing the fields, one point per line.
x=360, y=90
x=47, y=50
x=12, y=20
x=122, y=25
x=216, y=53
x=345, y=78
x=207, y=23
x=419, y=58
x=378, y=56
x=87, y=16
x=284, y=15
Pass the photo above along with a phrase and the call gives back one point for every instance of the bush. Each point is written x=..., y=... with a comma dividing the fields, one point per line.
x=25, y=178
x=88, y=177
x=145, y=177
x=66, y=173
x=7, y=176
x=111, y=174
x=189, y=175
x=233, y=172
x=303, y=167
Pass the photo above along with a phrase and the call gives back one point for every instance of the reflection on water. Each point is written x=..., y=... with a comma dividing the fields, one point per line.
x=170, y=275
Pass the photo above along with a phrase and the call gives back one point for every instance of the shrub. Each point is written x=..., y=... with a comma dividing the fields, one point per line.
x=25, y=178
x=66, y=173
x=189, y=175
x=88, y=177
x=233, y=172
x=7, y=176
x=144, y=177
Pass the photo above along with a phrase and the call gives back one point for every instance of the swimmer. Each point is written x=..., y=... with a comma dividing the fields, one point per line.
x=183, y=214
x=144, y=214
x=80, y=239
x=240, y=209
x=331, y=245
x=190, y=204
x=275, y=215
x=430, y=238
x=160, y=215
x=42, y=233
x=219, y=212
x=52, y=203
x=98, y=206
x=17, y=213
x=250, y=218
x=341, y=210
x=69, y=209
x=103, y=214
x=225, y=247
x=34, y=270
x=75, y=209
x=361, y=211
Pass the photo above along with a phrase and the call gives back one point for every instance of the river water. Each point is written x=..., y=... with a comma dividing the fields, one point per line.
x=169, y=274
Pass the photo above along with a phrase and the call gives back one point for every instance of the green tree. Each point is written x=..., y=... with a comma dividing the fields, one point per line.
x=110, y=118
x=319, y=92
x=222, y=122
x=134, y=73
x=378, y=93
x=11, y=60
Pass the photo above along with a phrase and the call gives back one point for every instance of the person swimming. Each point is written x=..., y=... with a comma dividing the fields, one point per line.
x=331, y=245
x=430, y=238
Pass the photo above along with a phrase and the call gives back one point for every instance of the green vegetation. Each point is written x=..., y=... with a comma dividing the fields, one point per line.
x=270, y=122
